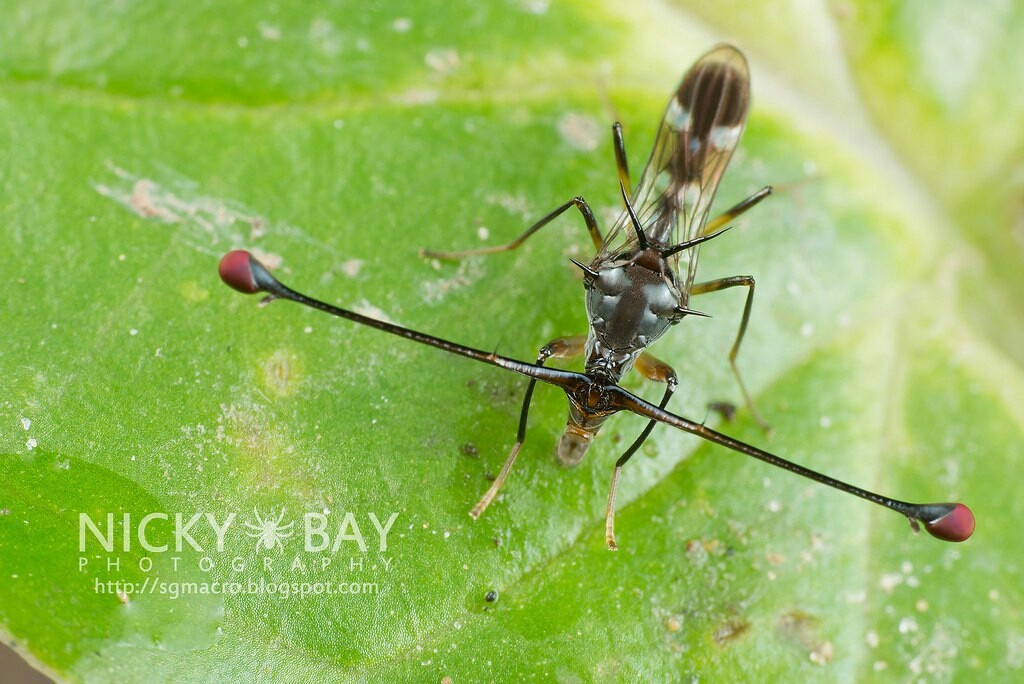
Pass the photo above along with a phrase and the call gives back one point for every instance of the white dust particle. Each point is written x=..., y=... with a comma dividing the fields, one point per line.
x=483, y=233
x=366, y=309
x=352, y=267
x=417, y=96
x=906, y=567
x=908, y=625
x=133, y=332
x=825, y=422
x=325, y=37
x=26, y=423
x=807, y=329
x=1015, y=650
x=872, y=638
x=880, y=665
x=243, y=42
x=889, y=581
x=308, y=329
x=442, y=60
x=269, y=31
x=822, y=653
x=921, y=605
x=536, y=6
x=774, y=506
x=435, y=290
x=121, y=257
x=513, y=204
x=993, y=595
x=268, y=259
x=580, y=131
x=31, y=444
x=401, y=25
x=338, y=124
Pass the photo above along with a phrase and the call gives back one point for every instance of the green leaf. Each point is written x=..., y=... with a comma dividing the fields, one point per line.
x=142, y=142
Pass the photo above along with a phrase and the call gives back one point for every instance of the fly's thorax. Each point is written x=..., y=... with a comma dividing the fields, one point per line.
x=632, y=299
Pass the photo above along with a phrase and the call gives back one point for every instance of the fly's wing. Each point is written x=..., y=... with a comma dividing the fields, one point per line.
x=699, y=131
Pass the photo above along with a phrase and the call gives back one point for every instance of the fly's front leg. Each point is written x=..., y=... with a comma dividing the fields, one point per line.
x=560, y=348
x=723, y=284
x=659, y=371
x=578, y=202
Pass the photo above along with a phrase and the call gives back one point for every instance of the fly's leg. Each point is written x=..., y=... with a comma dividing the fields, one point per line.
x=719, y=221
x=578, y=202
x=723, y=284
x=560, y=348
x=620, y=157
x=659, y=371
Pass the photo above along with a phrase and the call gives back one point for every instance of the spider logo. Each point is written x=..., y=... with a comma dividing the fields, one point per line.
x=269, y=532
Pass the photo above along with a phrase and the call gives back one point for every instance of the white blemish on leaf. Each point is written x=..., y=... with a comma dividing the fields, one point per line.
x=890, y=581
x=518, y=205
x=435, y=291
x=352, y=267
x=209, y=224
x=325, y=37
x=908, y=625
x=536, y=6
x=366, y=309
x=580, y=131
x=417, y=96
x=268, y=31
x=442, y=60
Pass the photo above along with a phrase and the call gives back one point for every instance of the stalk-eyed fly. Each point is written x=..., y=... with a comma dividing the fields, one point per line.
x=638, y=285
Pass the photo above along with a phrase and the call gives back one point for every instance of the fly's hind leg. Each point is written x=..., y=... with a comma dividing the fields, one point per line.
x=723, y=284
x=588, y=215
x=659, y=371
x=578, y=202
x=620, y=157
x=559, y=348
x=719, y=221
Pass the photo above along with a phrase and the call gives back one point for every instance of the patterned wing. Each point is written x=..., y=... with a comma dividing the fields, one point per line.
x=700, y=129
